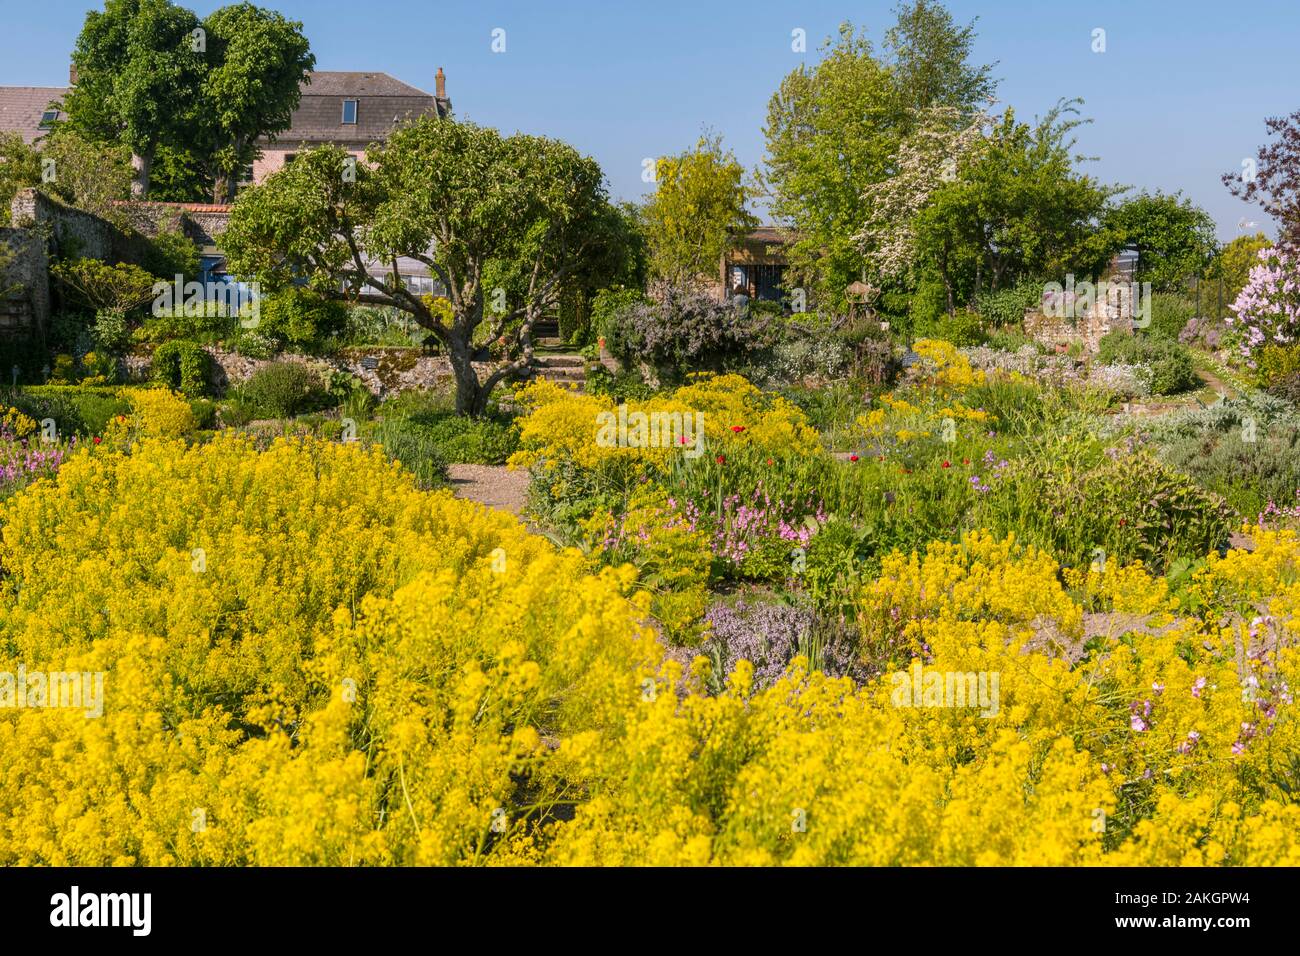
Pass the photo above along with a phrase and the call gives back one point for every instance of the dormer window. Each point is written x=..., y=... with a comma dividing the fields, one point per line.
x=349, y=112
x=49, y=118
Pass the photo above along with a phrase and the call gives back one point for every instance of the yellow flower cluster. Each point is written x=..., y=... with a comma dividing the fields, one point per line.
x=155, y=413
x=308, y=661
x=565, y=425
x=305, y=660
x=16, y=423
x=946, y=365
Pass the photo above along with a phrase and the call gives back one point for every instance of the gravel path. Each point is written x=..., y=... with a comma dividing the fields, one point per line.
x=493, y=485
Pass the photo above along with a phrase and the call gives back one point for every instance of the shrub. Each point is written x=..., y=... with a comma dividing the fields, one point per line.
x=159, y=413
x=770, y=636
x=686, y=331
x=412, y=444
x=205, y=323
x=182, y=365
x=170, y=254
x=606, y=308
x=110, y=331
x=283, y=390
x=76, y=409
x=1169, y=366
x=98, y=286
x=1170, y=313
x=300, y=319
x=1006, y=307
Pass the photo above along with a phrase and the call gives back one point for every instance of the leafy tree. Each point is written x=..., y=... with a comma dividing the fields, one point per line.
x=1174, y=237
x=91, y=176
x=88, y=175
x=454, y=196
x=1274, y=182
x=831, y=132
x=1016, y=208
x=256, y=64
x=20, y=166
x=155, y=78
x=697, y=211
x=930, y=56
x=835, y=130
x=138, y=79
x=1234, y=262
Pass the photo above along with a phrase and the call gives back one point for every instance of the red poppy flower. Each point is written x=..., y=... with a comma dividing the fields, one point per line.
x=853, y=457
x=97, y=439
x=737, y=428
x=947, y=464
x=965, y=461
x=769, y=461
x=722, y=459
x=1123, y=522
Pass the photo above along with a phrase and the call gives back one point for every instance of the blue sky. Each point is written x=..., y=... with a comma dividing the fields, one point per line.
x=1179, y=96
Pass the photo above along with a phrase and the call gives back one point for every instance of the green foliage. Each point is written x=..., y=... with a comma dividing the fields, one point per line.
x=834, y=129
x=1245, y=449
x=1016, y=209
x=1133, y=508
x=20, y=166
x=97, y=285
x=525, y=203
x=1006, y=306
x=300, y=319
x=412, y=444
x=76, y=409
x=487, y=440
x=258, y=63
x=169, y=254
x=963, y=328
x=283, y=390
x=1174, y=236
x=605, y=309
x=110, y=331
x=184, y=366
x=1170, y=311
x=697, y=211
x=144, y=84
x=1169, y=366
x=205, y=323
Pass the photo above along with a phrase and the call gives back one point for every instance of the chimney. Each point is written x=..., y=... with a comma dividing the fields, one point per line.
x=72, y=74
x=440, y=84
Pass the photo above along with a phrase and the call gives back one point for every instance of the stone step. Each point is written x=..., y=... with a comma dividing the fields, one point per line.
x=559, y=361
x=548, y=341
x=561, y=374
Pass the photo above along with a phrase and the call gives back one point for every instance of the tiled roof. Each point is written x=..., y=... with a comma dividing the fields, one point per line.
x=382, y=102
x=21, y=108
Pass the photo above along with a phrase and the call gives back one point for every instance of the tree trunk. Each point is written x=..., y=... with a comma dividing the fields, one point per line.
x=141, y=167
x=470, y=397
x=221, y=191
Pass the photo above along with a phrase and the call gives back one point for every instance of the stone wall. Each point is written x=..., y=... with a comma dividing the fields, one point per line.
x=1057, y=322
x=29, y=306
x=43, y=229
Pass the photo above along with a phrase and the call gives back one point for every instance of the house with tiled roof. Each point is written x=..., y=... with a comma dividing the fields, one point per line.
x=349, y=109
x=30, y=111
